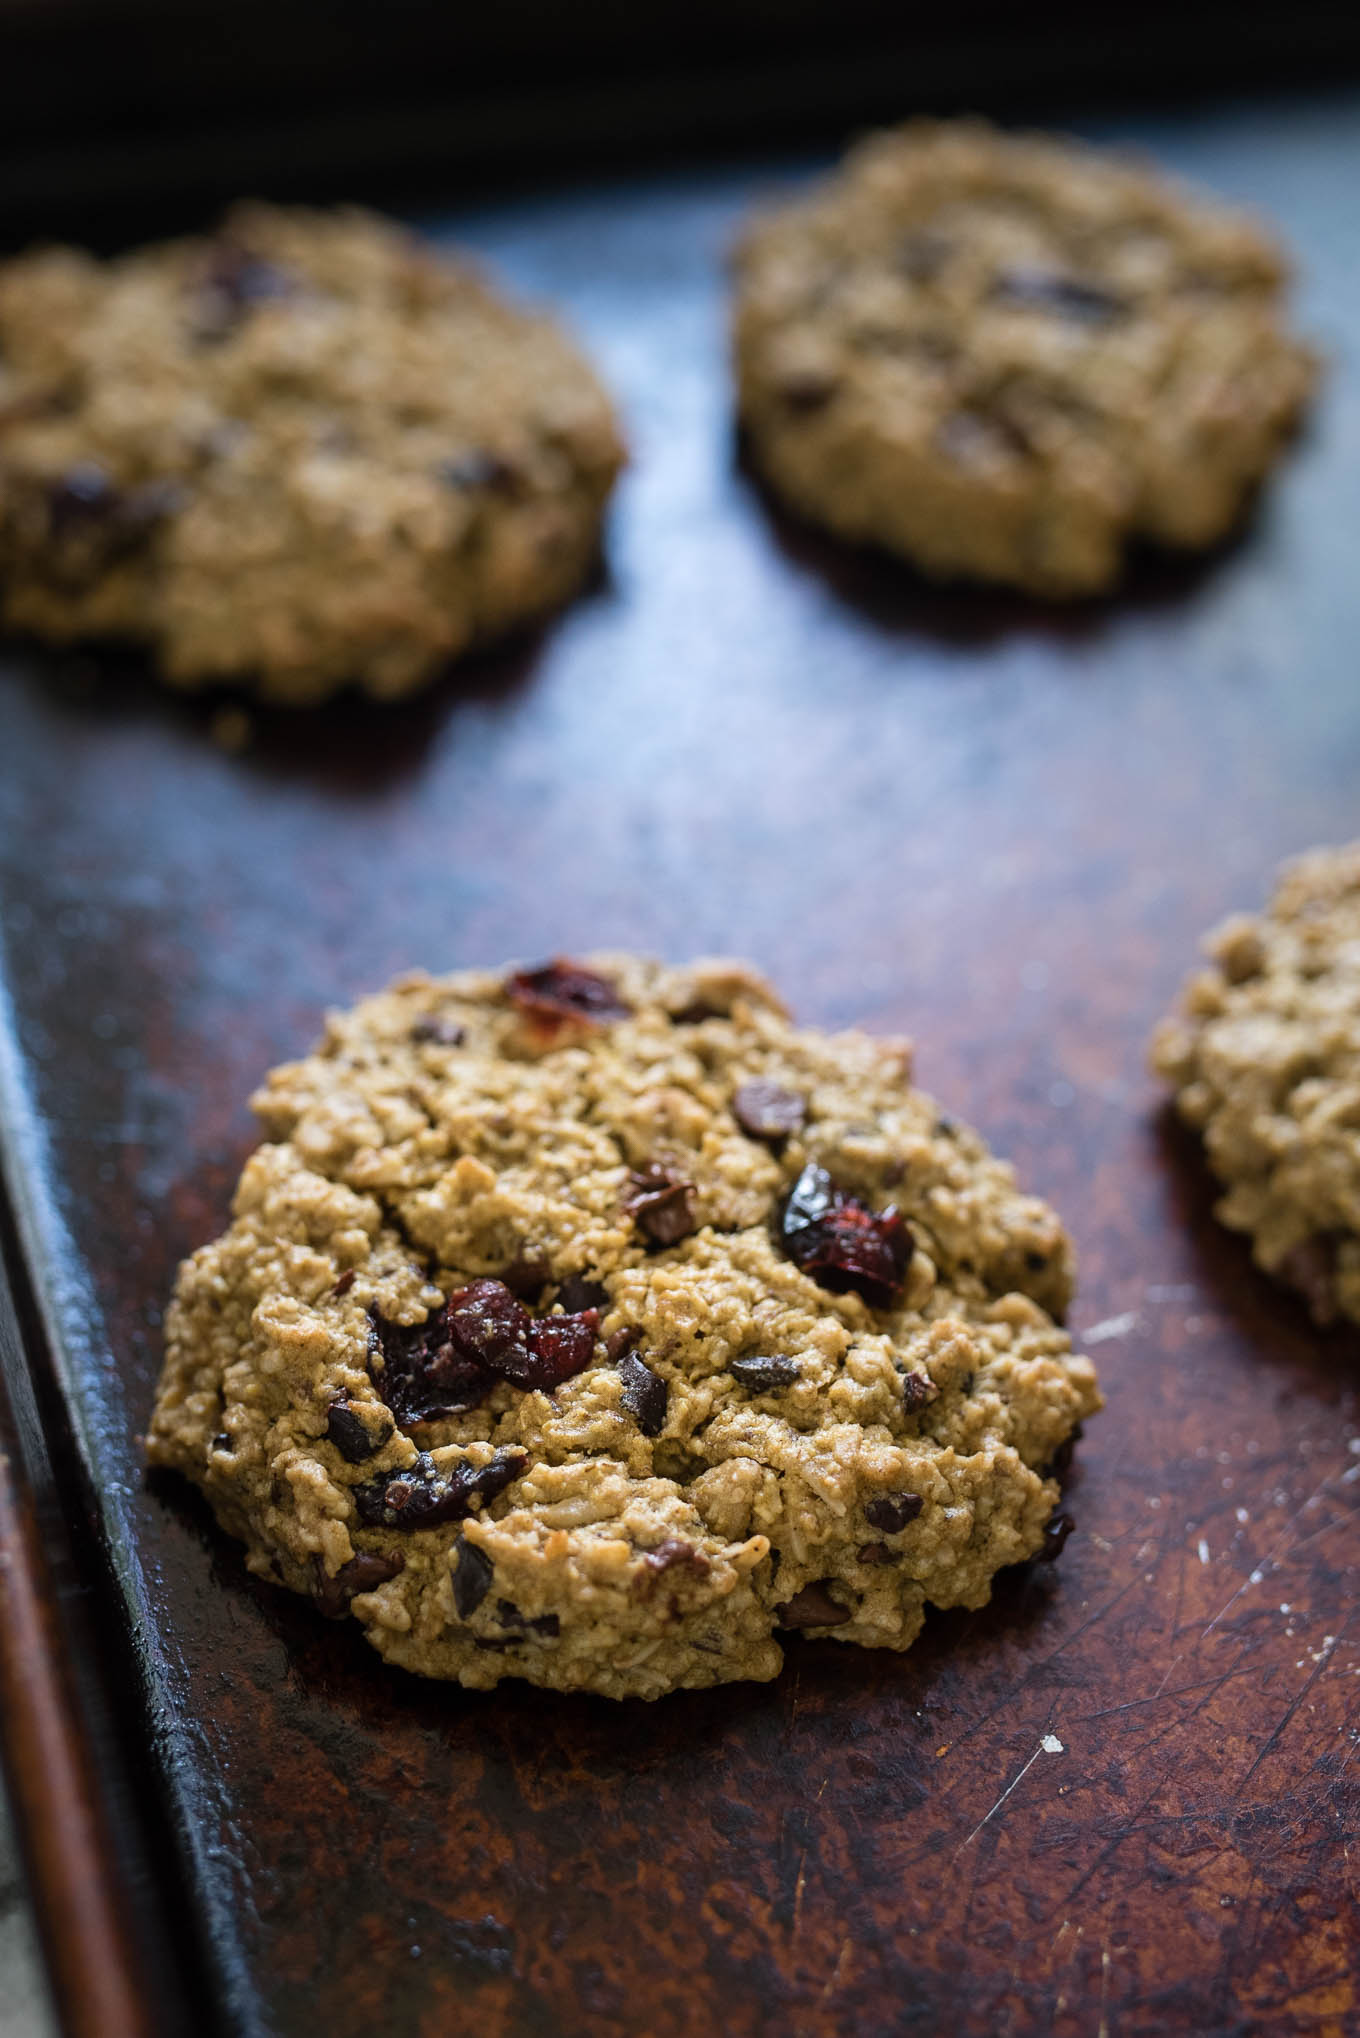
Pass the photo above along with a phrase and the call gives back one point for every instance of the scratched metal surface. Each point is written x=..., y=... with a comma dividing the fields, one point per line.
x=1119, y=1799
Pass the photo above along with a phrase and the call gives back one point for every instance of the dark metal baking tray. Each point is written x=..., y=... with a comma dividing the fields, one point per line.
x=1117, y=1801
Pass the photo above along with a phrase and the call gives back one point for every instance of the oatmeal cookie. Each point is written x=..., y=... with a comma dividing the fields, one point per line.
x=1264, y=1057
x=1005, y=356
x=592, y=1324
x=304, y=452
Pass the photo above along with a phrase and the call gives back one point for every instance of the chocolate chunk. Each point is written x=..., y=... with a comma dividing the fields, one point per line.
x=434, y=1031
x=543, y=1624
x=424, y=1374
x=876, y=1553
x=490, y=1326
x=813, y=1607
x=622, y=1340
x=451, y=1362
x=672, y=1552
x=765, y=1376
x=426, y=1494
x=577, y=1293
x=661, y=1204
x=918, y=1391
x=345, y=1282
x=473, y=1571
x=1057, y=1529
x=477, y=469
x=560, y=991
x=892, y=1511
x=842, y=1244
x=351, y=1436
x=645, y=1395
x=1064, y=296
x=768, y=1111
x=363, y=1573
x=526, y=1276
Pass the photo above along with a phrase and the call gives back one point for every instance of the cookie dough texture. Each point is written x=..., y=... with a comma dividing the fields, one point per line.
x=303, y=452
x=1004, y=357
x=893, y=1457
x=1264, y=1058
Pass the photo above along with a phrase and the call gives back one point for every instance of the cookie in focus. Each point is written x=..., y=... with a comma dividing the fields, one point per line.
x=305, y=452
x=1005, y=357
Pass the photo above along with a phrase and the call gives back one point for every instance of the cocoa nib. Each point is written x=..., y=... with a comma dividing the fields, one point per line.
x=426, y=1494
x=362, y=1574
x=352, y=1436
x=1057, y=1529
x=437, y=1032
x=1065, y=296
x=765, y=1376
x=645, y=1394
x=842, y=1244
x=892, y=1511
x=918, y=1391
x=661, y=1204
x=473, y=1571
x=482, y=1334
x=560, y=991
x=768, y=1111
x=813, y=1607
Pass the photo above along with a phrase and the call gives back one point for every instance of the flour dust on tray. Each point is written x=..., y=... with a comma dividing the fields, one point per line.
x=591, y=1324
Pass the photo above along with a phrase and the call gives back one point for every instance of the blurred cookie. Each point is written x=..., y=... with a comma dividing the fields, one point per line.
x=304, y=452
x=1004, y=357
x=1264, y=1057
x=592, y=1324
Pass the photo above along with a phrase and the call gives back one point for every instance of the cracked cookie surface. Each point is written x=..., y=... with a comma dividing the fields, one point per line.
x=1264, y=1058
x=1005, y=356
x=591, y=1324
x=304, y=452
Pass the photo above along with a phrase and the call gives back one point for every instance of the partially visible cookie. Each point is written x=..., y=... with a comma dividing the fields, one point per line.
x=306, y=451
x=1004, y=357
x=1264, y=1057
x=592, y=1324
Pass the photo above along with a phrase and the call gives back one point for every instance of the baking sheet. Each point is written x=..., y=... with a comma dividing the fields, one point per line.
x=1117, y=1800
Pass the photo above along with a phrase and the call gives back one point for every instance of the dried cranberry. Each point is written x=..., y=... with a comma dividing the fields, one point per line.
x=768, y=1111
x=352, y=1436
x=437, y=1032
x=661, y=1204
x=842, y=1244
x=1057, y=1529
x=1065, y=296
x=559, y=1347
x=426, y=1494
x=813, y=1607
x=473, y=1571
x=425, y=1375
x=765, y=1376
x=918, y=1391
x=645, y=1394
x=363, y=1573
x=892, y=1511
x=560, y=991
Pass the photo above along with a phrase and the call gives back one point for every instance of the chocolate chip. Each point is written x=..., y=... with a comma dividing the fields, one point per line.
x=510, y=1617
x=765, y=1376
x=661, y=1204
x=577, y=1293
x=560, y=991
x=363, y=1573
x=645, y=1395
x=768, y=1111
x=918, y=1391
x=345, y=1282
x=351, y=1436
x=842, y=1244
x=434, y=1031
x=1036, y=1261
x=1057, y=1529
x=473, y=1571
x=426, y=1494
x=1065, y=296
x=813, y=1607
x=622, y=1340
x=477, y=469
x=892, y=1511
